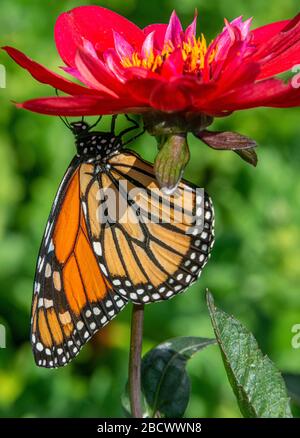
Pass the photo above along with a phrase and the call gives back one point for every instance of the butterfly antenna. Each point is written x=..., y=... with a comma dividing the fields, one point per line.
x=63, y=119
x=95, y=124
x=65, y=122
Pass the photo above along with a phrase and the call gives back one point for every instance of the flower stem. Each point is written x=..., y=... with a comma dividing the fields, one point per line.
x=135, y=357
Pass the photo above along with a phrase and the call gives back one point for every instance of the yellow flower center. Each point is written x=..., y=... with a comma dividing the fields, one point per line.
x=193, y=54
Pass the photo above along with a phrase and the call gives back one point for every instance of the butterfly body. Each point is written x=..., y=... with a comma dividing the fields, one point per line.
x=94, y=146
x=112, y=237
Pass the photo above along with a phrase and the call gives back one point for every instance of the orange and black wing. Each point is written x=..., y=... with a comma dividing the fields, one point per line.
x=157, y=245
x=72, y=298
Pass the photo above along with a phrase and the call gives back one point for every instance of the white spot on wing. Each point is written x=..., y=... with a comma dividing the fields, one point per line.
x=97, y=248
x=79, y=325
x=103, y=269
x=41, y=264
x=51, y=246
x=84, y=209
x=48, y=303
x=156, y=296
x=207, y=215
x=39, y=346
x=48, y=270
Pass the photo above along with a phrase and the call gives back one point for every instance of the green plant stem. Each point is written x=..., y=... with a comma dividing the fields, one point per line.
x=135, y=357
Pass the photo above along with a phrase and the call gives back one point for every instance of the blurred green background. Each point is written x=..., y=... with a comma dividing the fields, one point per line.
x=254, y=270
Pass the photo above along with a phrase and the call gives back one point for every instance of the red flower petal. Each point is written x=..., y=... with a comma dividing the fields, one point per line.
x=170, y=96
x=243, y=26
x=95, y=24
x=159, y=36
x=265, y=33
x=123, y=48
x=282, y=63
x=190, y=31
x=112, y=62
x=234, y=77
x=233, y=31
x=173, y=65
x=139, y=73
x=73, y=72
x=222, y=44
x=282, y=51
x=148, y=45
x=174, y=31
x=142, y=88
x=269, y=92
x=288, y=97
x=95, y=73
x=80, y=105
x=45, y=76
x=146, y=87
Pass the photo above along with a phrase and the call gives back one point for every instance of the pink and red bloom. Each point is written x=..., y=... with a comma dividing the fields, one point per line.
x=123, y=68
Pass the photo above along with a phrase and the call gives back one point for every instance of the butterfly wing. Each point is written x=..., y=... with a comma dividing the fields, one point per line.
x=72, y=299
x=149, y=251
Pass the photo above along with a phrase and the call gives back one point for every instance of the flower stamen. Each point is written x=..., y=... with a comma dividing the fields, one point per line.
x=194, y=55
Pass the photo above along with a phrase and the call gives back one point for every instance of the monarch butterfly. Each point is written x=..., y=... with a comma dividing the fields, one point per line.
x=88, y=268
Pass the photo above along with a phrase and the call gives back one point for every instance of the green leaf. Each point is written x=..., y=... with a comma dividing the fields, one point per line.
x=257, y=384
x=165, y=382
x=292, y=382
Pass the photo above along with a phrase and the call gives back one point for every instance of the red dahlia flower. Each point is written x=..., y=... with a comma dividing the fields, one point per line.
x=162, y=67
x=163, y=70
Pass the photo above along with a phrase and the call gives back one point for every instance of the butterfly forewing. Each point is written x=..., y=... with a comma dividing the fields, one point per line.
x=72, y=298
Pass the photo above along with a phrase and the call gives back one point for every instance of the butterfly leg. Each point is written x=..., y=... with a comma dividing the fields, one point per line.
x=135, y=137
x=134, y=122
x=113, y=123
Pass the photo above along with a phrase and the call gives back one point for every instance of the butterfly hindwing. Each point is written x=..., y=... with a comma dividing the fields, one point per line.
x=145, y=260
x=72, y=298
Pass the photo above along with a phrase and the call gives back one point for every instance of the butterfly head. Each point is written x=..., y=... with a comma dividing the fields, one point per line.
x=79, y=128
